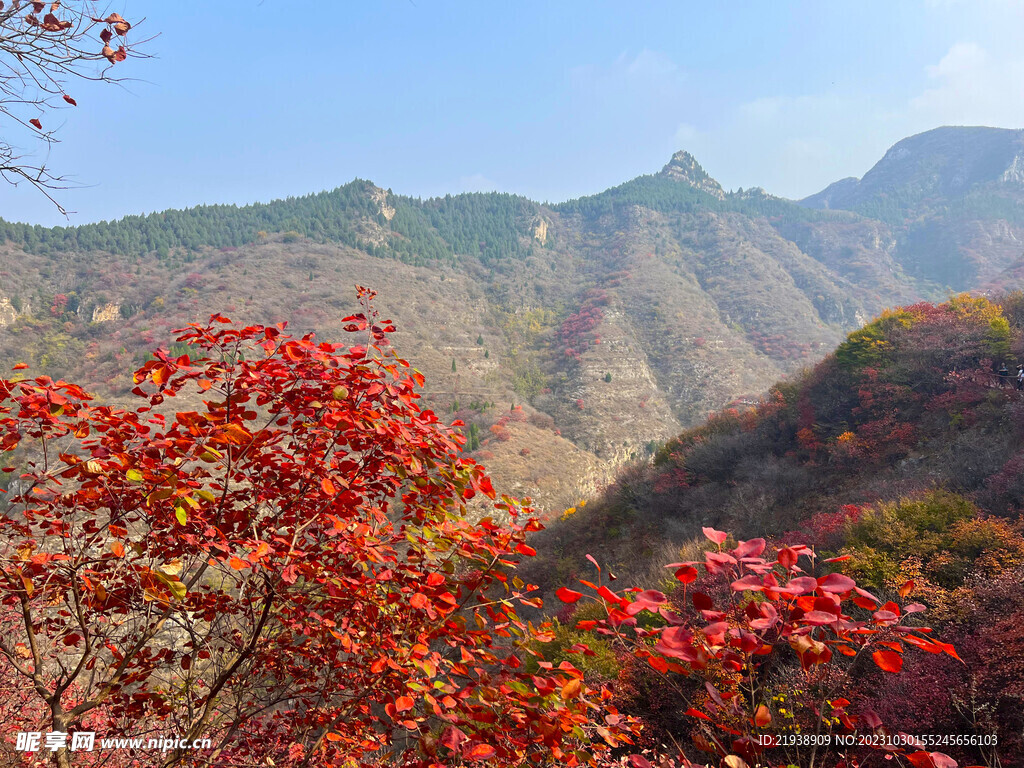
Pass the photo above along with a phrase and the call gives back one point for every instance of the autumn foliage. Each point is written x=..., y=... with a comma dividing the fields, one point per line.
x=270, y=549
x=756, y=646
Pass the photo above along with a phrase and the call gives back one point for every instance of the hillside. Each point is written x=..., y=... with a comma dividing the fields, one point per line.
x=953, y=197
x=901, y=453
x=578, y=335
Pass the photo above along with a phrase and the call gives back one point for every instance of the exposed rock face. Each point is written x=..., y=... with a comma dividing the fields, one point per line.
x=380, y=197
x=1015, y=170
x=7, y=312
x=684, y=167
x=540, y=230
x=106, y=313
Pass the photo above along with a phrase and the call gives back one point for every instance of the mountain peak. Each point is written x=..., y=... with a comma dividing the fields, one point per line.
x=944, y=163
x=684, y=167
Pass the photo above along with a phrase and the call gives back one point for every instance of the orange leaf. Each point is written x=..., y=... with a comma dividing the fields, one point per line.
x=404, y=703
x=762, y=716
x=571, y=690
x=480, y=752
x=328, y=486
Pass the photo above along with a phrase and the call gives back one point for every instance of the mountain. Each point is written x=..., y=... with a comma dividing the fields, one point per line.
x=571, y=338
x=953, y=200
x=931, y=169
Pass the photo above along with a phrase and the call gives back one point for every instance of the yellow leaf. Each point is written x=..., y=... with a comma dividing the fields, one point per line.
x=171, y=568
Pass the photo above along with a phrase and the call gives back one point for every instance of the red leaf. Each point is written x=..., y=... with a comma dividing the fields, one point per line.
x=36, y=124
x=419, y=600
x=819, y=618
x=697, y=713
x=802, y=585
x=718, y=537
x=787, y=557
x=751, y=582
x=70, y=101
x=907, y=588
x=608, y=595
x=452, y=737
x=328, y=486
x=836, y=583
x=639, y=761
x=651, y=597
x=687, y=574
x=751, y=548
x=888, y=661
x=567, y=595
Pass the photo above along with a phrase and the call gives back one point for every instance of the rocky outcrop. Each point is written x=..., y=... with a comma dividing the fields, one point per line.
x=684, y=167
x=7, y=312
x=106, y=313
x=540, y=230
x=380, y=197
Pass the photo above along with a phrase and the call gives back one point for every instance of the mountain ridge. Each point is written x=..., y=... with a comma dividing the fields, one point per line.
x=592, y=329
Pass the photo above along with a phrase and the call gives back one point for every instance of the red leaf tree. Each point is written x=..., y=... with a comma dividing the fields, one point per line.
x=280, y=563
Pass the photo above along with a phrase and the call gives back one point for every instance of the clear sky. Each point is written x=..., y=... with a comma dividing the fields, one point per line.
x=257, y=99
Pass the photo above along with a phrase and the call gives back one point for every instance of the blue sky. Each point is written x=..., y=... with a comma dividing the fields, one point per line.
x=258, y=99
